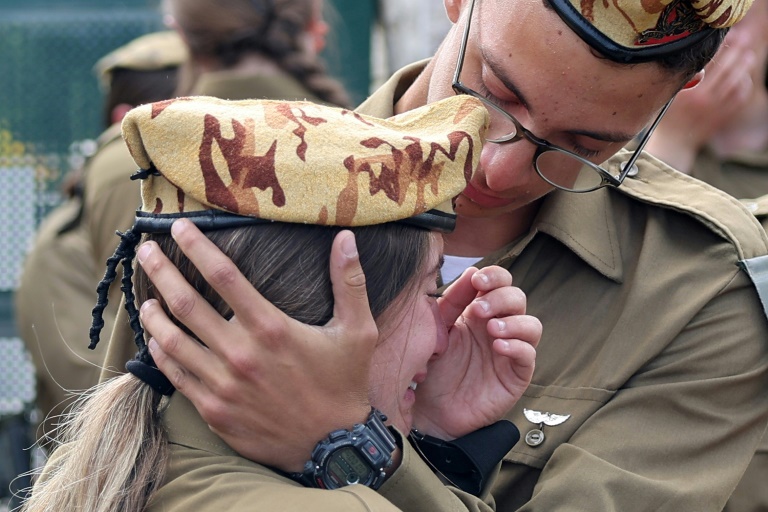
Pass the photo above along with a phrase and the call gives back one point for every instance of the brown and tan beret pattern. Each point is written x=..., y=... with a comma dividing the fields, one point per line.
x=634, y=23
x=303, y=162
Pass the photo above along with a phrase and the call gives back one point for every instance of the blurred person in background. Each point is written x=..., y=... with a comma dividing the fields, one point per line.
x=412, y=31
x=718, y=131
x=63, y=267
x=257, y=49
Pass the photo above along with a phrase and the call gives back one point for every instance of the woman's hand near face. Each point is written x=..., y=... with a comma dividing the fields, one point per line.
x=490, y=357
x=250, y=382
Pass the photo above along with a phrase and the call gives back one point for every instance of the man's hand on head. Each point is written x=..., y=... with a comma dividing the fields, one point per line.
x=270, y=386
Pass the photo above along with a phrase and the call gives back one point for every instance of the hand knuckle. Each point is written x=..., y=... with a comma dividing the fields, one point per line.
x=271, y=330
x=243, y=364
x=223, y=274
x=211, y=410
x=178, y=378
x=356, y=281
x=170, y=343
x=182, y=305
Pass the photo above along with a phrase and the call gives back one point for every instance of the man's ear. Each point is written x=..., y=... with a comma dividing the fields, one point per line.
x=693, y=82
x=453, y=9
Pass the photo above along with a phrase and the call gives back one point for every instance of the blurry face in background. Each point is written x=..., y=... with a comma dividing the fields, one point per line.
x=317, y=29
x=751, y=33
x=411, y=334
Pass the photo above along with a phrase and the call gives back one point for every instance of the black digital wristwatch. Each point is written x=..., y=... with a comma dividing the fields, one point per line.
x=346, y=457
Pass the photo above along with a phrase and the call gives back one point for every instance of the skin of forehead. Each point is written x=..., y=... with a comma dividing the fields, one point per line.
x=550, y=57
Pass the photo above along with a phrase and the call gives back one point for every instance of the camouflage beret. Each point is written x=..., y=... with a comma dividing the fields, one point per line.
x=642, y=30
x=222, y=162
x=149, y=52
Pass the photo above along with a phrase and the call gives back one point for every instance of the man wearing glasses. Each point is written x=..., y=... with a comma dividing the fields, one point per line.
x=649, y=389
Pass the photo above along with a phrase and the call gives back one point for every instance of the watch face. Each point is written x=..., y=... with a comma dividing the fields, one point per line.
x=346, y=467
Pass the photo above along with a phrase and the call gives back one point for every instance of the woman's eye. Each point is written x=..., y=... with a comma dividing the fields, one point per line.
x=435, y=295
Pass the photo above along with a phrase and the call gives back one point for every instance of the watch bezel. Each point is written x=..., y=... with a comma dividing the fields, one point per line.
x=372, y=442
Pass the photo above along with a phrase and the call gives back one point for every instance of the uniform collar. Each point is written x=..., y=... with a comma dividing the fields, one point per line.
x=586, y=225
x=582, y=222
x=186, y=427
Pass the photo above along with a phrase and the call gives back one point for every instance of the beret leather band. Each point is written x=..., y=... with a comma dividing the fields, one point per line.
x=207, y=220
x=615, y=51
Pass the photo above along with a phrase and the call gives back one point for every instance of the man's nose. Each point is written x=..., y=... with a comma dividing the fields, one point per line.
x=506, y=164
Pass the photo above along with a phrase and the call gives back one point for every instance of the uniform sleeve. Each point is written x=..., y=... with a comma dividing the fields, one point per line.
x=199, y=480
x=415, y=488
x=680, y=433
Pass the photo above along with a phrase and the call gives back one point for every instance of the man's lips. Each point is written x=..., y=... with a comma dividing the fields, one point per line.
x=484, y=200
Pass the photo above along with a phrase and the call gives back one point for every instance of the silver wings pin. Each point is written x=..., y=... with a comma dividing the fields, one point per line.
x=547, y=418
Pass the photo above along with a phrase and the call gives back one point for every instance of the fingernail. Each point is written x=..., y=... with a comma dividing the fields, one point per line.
x=143, y=252
x=152, y=344
x=483, y=305
x=349, y=247
x=484, y=278
x=147, y=303
x=504, y=344
x=178, y=227
x=501, y=324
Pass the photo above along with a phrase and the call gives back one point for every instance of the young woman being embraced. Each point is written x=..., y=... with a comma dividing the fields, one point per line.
x=380, y=187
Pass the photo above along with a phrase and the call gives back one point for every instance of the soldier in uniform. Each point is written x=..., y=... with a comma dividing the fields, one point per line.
x=649, y=389
x=134, y=445
x=243, y=49
x=63, y=267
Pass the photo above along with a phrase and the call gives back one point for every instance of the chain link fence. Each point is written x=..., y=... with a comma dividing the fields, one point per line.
x=50, y=108
x=50, y=114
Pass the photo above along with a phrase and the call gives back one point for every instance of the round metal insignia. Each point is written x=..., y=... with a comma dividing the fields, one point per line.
x=534, y=437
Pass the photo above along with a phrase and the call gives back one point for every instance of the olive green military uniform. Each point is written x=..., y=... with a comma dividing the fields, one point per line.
x=651, y=375
x=653, y=359
x=111, y=198
x=744, y=175
x=199, y=457
x=239, y=85
x=57, y=286
x=204, y=474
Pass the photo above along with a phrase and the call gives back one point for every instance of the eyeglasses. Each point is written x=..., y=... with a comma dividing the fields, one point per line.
x=557, y=166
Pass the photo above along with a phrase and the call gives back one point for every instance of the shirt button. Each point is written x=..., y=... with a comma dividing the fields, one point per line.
x=534, y=437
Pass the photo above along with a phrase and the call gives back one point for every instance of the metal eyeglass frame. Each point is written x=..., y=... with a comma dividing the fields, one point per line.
x=542, y=145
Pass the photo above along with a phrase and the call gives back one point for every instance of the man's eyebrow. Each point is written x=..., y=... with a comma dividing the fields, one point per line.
x=607, y=136
x=508, y=83
x=604, y=136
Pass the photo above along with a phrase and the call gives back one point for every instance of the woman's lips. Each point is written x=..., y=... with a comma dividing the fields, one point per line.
x=484, y=200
